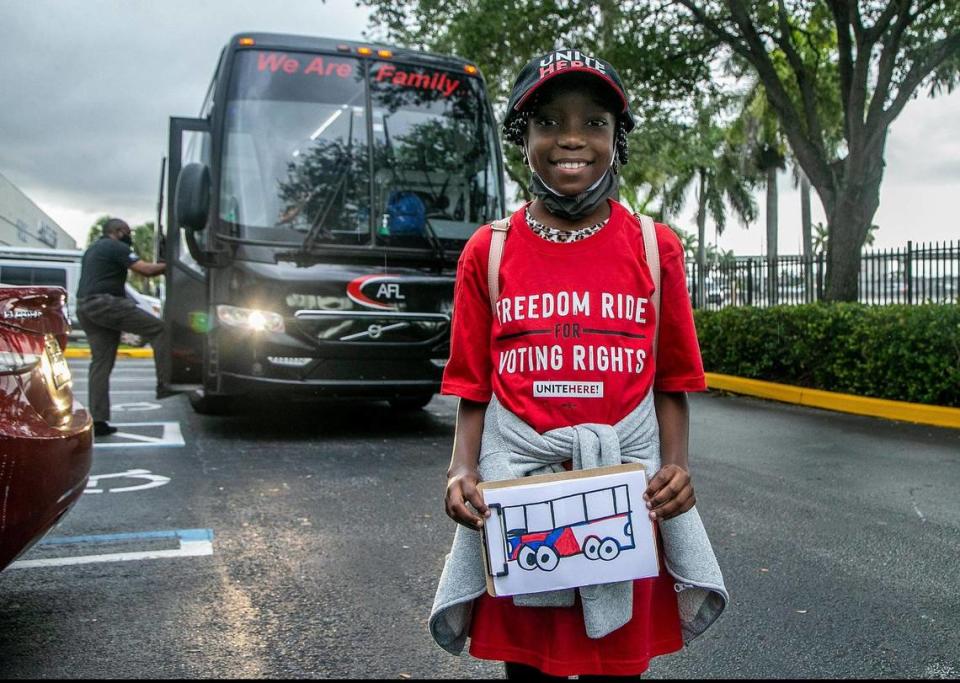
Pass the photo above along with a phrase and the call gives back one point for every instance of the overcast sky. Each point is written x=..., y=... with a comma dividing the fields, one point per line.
x=88, y=87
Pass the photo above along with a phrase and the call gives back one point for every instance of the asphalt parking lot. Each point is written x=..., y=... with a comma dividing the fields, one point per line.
x=306, y=541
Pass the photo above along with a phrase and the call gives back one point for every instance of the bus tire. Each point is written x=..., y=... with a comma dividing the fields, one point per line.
x=591, y=548
x=527, y=558
x=205, y=404
x=609, y=549
x=547, y=558
x=410, y=403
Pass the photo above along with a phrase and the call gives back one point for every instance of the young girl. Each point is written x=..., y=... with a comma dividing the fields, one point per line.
x=570, y=341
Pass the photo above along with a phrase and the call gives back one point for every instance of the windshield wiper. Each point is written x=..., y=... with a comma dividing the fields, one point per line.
x=319, y=229
x=434, y=241
x=343, y=169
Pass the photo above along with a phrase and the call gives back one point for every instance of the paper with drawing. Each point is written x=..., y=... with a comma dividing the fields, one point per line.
x=568, y=530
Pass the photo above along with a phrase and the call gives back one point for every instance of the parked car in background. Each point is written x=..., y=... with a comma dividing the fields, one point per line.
x=150, y=304
x=717, y=294
x=46, y=437
x=34, y=266
x=27, y=266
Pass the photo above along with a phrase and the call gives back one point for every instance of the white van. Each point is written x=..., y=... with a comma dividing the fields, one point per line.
x=27, y=266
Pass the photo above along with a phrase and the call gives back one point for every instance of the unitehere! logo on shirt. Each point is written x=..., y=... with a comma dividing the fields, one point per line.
x=554, y=389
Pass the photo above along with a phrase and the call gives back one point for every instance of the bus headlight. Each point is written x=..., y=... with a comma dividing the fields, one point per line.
x=250, y=319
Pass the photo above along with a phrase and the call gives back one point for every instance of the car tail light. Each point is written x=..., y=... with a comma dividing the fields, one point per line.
x=16, y=363
x=14, y=359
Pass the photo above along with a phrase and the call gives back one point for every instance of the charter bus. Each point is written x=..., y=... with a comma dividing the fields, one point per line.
x=317, y=208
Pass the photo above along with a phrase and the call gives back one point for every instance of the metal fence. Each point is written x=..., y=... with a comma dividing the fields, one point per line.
x=918, y=273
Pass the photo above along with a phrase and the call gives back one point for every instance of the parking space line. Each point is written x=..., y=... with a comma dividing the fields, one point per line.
x=132, y=391
x=126, y=380
x=172, y=436
x=153, y=481
x=136, y=407
x=192, y=542
x=146, y=373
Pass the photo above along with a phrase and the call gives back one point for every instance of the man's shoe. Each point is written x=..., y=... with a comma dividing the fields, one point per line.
x=103, y=429
x=164, y=392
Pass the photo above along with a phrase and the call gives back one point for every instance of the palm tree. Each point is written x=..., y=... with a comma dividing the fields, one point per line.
x=687, y=240
x=763, y=153
x=799, y=177
x=657, y=149
x=821, y=237
x=765, y=140
x=709, y=164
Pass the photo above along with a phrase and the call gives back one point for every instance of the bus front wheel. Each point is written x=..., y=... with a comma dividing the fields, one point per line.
x=205, y=404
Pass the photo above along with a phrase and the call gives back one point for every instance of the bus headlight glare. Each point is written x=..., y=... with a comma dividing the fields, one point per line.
x=250, y=319
x=257, y=321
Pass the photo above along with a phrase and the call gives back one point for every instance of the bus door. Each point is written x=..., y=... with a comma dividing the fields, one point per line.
x=186, y=306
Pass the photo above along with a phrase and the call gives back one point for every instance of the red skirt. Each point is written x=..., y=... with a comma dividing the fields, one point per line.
x=553, y=639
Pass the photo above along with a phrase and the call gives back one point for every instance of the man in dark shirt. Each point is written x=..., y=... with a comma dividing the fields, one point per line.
x=105, y=312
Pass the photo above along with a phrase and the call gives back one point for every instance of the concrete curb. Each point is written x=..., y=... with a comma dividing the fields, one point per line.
x=920, y=413
x=937, y=416
x=82, y=352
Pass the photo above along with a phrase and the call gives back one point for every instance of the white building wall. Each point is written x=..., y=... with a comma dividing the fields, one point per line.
x=24, y=224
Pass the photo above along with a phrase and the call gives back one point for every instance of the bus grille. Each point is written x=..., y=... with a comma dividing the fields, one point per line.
x=373, y=327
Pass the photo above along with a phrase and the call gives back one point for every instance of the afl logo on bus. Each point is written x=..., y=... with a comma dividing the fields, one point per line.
x=381, y=292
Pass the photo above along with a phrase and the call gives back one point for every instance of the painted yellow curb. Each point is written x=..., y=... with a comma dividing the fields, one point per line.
x=919, y=413
x=938, y=416
x=82, y=352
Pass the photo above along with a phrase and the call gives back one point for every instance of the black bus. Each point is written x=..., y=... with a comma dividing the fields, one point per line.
x=316, y=209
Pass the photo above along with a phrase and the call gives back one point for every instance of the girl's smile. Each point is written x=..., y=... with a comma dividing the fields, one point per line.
x=570, y=167
x=570, y=137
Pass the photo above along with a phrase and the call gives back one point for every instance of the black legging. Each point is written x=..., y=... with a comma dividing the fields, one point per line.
x=524, y=672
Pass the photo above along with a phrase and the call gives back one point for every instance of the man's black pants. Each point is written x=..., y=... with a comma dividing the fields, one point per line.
x=104, y=317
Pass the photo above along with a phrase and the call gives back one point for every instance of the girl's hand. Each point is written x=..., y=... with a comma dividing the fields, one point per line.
x=462, y=488
x=669, y=493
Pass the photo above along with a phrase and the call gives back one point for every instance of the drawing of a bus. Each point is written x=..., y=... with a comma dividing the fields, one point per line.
x=597, y=524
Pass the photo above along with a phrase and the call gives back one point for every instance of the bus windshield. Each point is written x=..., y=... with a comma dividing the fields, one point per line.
x=297, y=163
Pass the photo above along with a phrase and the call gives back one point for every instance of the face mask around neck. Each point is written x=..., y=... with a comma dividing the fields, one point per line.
x=575, y=207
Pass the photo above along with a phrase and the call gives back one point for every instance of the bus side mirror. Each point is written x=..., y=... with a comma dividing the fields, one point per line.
x=192, y=199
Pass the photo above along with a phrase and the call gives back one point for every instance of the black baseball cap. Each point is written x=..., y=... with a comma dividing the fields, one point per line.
x=560, y=63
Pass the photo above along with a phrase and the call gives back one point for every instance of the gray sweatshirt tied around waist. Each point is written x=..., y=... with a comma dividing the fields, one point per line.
x=512, y=449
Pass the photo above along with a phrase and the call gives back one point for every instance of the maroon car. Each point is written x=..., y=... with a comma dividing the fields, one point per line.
x=46, y=437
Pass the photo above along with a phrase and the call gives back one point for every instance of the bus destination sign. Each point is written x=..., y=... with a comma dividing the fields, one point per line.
x=324, y=66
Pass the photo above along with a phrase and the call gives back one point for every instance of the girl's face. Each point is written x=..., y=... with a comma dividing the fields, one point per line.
x=570, y=137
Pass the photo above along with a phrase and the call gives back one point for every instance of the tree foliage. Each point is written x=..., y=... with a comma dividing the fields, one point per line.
x=501, y=37
x=96, y=230
x=143, y=246
x=869, y=58
x=710, y=163
x=818, y=61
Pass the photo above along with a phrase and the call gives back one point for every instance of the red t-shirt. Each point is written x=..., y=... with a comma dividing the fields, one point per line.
x=571, y=342
x=572, y=338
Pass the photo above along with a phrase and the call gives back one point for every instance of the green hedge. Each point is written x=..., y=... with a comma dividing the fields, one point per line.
x=903, y=353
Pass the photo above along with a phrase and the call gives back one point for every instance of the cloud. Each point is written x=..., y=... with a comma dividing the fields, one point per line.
x=89, y=87
x=923, y=147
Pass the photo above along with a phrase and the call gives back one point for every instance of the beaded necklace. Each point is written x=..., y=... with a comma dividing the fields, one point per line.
x=555, y=235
